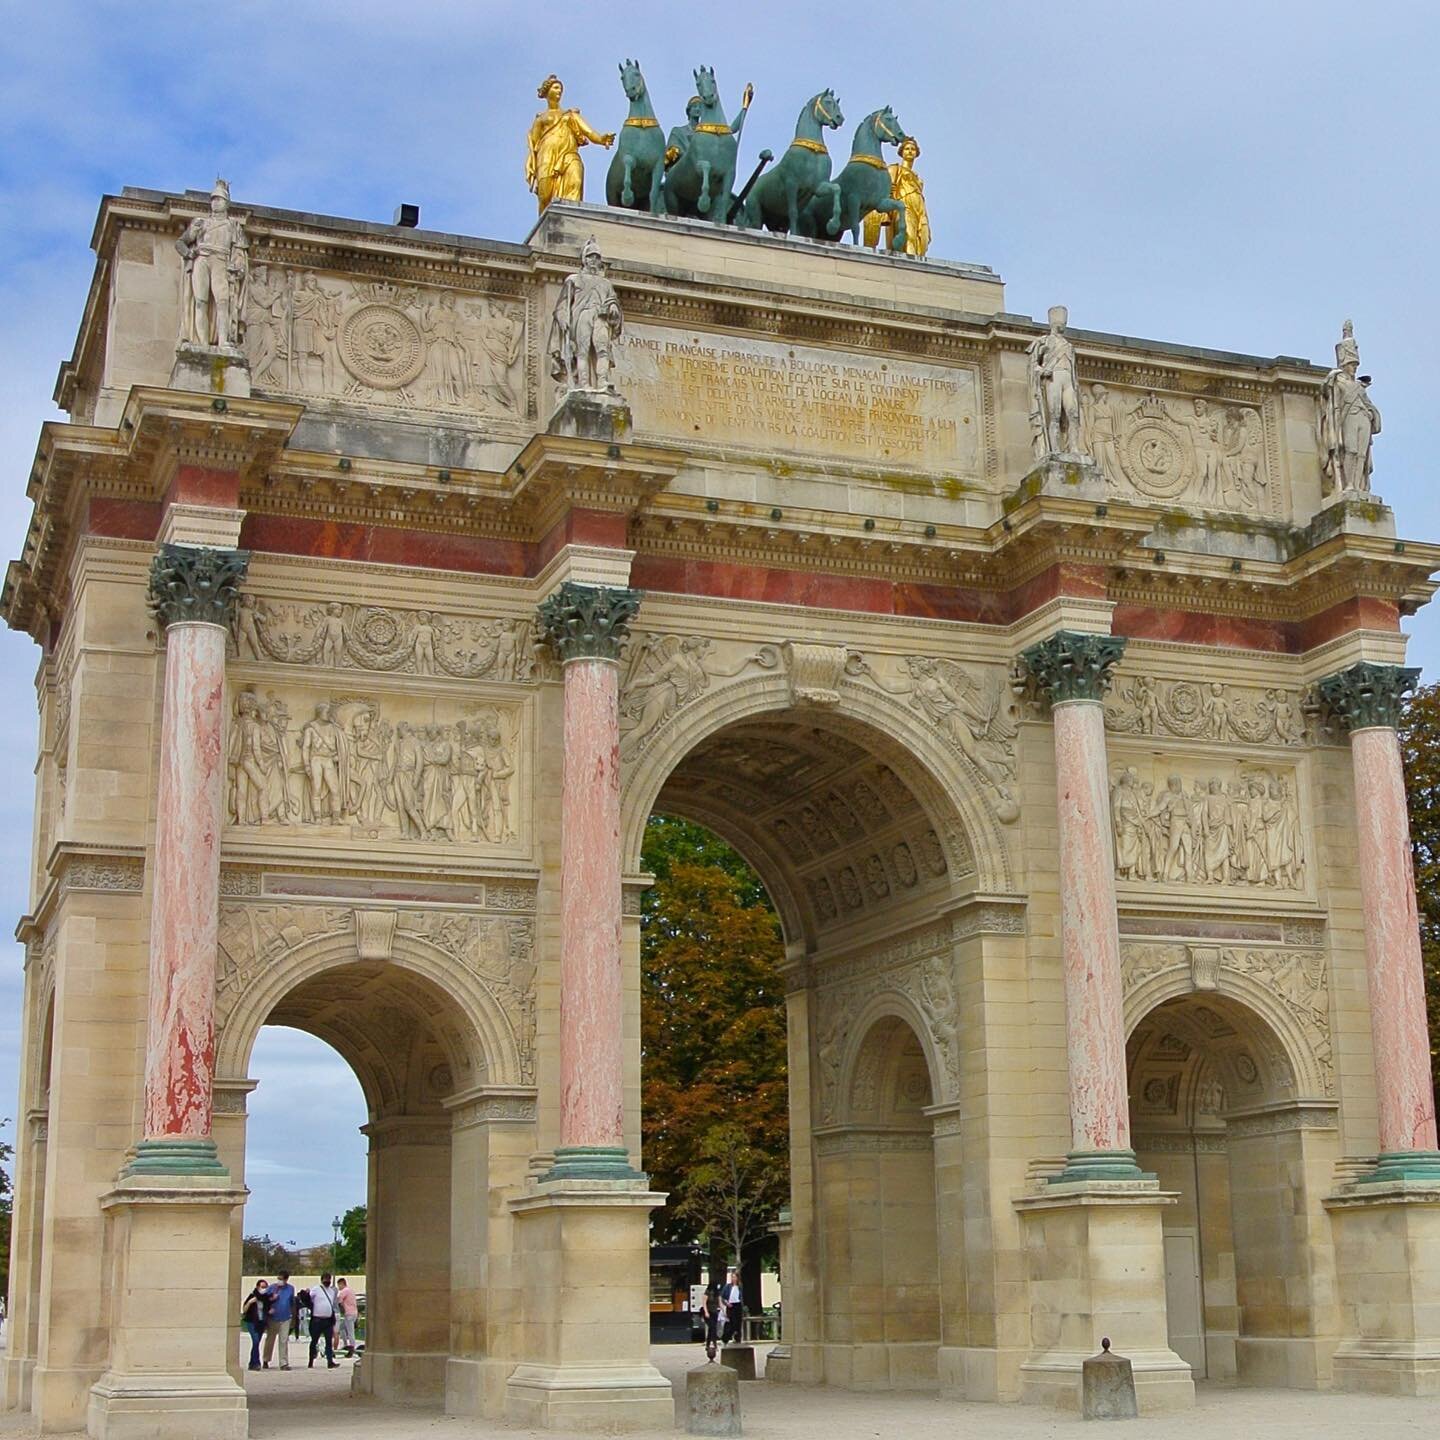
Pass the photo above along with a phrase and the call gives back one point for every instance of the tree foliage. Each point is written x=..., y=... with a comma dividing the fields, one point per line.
x=712, y=1017
x=260, y=1255
x=350, y=1254
x=733, y=1190
x=1420, y=746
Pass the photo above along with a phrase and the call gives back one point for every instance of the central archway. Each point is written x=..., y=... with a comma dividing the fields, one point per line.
x=871, y=835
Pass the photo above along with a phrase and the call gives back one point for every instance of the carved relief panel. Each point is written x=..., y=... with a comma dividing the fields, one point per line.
x=379, y=766
x=1254, y=715
x=384, y=344
x=1182, y=821
x=1201, y=451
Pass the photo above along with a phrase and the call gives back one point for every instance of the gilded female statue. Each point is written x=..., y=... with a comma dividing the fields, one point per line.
x=907, y=187
x=553, y=169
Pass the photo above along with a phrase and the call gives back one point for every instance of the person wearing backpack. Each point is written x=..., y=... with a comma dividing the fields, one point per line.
x=253, y=1317
x=324, y=1302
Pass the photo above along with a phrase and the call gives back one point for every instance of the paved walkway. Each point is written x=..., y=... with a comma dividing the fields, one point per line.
x=304, y=1404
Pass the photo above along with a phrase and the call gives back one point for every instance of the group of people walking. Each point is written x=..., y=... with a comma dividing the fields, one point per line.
x=274, y=1312
x=723, y=1313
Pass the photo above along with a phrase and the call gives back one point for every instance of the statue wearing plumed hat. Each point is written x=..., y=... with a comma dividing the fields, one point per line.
x=585, y=326
x=216, y=252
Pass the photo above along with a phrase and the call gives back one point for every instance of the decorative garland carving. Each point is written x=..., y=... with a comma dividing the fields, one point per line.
x=380, y=638
x=1211, y=711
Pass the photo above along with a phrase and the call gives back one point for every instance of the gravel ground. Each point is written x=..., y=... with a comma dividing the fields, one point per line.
x=316, y=1404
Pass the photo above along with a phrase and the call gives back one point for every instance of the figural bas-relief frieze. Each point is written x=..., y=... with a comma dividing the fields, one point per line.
x=373, y=767
x=384, y=344
x=1185, y=709
x=761, y=395
x=1187, y=823
x=339, y=636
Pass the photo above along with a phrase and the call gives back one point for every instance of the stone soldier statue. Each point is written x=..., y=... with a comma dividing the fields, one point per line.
x=216, y=252
x=1054, y=391
x=585, y=326
x=1348, y=421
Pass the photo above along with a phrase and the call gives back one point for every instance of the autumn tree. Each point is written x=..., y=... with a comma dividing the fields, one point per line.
x=712, y=1017
x=1420, y=746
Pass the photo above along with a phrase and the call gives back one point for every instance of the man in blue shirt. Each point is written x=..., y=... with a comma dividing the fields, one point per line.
x=277, y=1320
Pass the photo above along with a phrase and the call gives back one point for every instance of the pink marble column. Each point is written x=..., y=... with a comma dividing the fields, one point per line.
x=192, y=591
x=1090, y=933
x=587, y=626
x=1073, y=671
x=1403, y=1087
x=592, y=1103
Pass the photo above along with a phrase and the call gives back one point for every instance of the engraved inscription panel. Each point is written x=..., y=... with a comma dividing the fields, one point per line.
x=766, y=395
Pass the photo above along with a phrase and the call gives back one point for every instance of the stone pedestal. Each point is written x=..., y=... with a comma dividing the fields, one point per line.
x=211, y=371
x=1387, y=1262
x=585, y=1331
x=712, y=1401
x=172, y=1299
x=1067, y=477
x=1095, y=1261
x=1107, y=1387
x=593, y=415
x=740, y=1359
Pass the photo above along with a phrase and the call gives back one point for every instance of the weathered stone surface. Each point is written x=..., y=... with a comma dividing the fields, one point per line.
x=740, y=1358
x=712, y=1400
x=1107, y=1387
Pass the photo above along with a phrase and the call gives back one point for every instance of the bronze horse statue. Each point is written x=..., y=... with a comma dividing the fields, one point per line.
x=801, y=177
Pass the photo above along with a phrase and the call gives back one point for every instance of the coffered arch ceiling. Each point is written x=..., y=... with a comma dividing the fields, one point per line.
x=837, y=819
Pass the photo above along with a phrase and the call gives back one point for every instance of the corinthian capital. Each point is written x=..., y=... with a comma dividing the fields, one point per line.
x=192, y=582
x=1072, y=666
x=588, y=622
x=1367, y=695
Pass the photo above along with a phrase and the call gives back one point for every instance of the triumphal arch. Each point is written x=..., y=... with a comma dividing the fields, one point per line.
x=1049, y=678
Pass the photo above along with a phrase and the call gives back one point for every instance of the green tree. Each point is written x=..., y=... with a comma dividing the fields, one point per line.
x=350, y=1253
x=712, y=1015
x=1420, y=747
x=733, y=1190
x=260, y=1255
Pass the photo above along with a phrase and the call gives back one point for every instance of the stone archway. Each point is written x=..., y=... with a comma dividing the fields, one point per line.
x=443, y=1052
x=1231, y=1111
x=888, y=864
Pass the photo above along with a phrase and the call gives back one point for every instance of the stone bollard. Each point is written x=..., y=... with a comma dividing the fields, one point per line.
x=1107, y=1386
x=741, y=1359
x=712, y=1401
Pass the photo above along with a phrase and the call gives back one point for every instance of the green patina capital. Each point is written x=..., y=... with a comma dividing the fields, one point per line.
x=1072, y=666
x=1367, y=695
x=588, y=622
x=193, y=582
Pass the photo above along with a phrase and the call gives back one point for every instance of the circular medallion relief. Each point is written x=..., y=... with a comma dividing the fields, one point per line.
x=381, y=347
x=1156, y=460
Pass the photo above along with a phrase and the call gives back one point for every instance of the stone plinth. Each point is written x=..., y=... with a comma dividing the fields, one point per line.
x=172, y=1299
x=740, y=1359
x=592, y=415
x=585, y=1334
x=712, y=1401
x=1387, y=1264
x=1096, y=1267
x=1107, y=1387
x=211, y=371
x=1065, y=477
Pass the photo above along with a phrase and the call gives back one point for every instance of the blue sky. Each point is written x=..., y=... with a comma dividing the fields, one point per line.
x=1243, y=176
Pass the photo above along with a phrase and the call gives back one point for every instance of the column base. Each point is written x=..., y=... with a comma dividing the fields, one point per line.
x=167, y=1407
x=1393, y=1166
x=594, y=1162
x=777, y=1365
x=1095, y=1262
x=176, y=1157
x=1083, y=1166
x=589, y=1397
x=1387, y=1272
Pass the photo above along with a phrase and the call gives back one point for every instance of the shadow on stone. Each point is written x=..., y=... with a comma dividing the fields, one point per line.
x=741, y=1359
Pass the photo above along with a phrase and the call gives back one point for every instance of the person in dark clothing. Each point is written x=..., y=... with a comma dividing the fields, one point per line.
x=253, y=1315
x=710, y=1311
